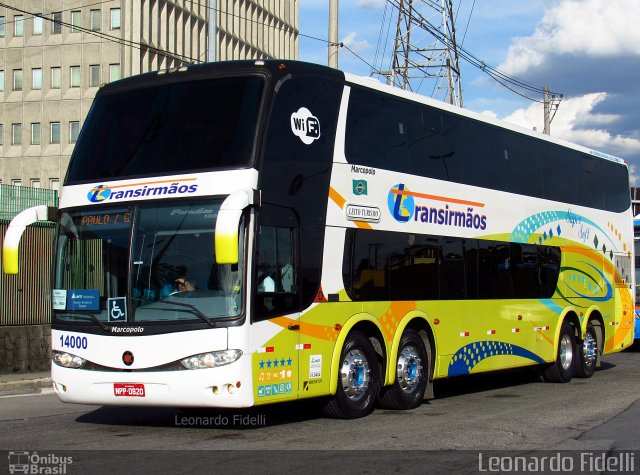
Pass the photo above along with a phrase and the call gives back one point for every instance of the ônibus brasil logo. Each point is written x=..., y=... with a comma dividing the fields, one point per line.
x=401, y=205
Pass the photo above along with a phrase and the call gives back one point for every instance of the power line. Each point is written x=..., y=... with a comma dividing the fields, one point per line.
x=59, y=11
x=466, y=28
x=500, y=77
x=105, y=36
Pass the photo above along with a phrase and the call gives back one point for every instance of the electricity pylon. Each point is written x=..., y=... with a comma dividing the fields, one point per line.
x=428, y=22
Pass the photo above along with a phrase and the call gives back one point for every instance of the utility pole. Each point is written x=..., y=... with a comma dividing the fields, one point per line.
x=333, y=34
x=547, y=112
x=551, y=104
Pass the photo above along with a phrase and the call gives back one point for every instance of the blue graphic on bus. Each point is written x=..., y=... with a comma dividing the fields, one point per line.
x=99, y=193
x=401, y=206
x=470, y=355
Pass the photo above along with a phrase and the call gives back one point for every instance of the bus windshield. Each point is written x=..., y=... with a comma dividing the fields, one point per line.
x=169, y=274
x=174, y=127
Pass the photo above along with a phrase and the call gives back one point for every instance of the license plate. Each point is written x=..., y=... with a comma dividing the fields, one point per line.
x=128, y=389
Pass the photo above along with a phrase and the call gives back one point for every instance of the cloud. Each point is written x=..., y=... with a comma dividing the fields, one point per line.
x=576, y=121
x=354, y=44
x=587, y=50
x=373, y=4
x=578, y=27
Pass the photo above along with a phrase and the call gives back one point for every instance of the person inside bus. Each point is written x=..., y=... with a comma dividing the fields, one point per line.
x=266, y=283
x=184, y=284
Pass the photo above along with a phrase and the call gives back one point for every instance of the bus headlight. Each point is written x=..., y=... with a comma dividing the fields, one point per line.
x=67, y=360
x=211, y=359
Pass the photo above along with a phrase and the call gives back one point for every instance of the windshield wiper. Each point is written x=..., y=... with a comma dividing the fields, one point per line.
x=93, y=318
x=197, y=311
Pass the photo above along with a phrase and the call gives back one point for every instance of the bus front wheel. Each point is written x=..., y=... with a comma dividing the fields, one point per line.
x=562, y=369
x=412, y=374
x=358, y=380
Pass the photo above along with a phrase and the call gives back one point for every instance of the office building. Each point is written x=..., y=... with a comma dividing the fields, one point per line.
x=55, y=55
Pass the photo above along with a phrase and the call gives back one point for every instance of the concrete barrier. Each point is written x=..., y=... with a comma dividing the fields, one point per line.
x=25, y=348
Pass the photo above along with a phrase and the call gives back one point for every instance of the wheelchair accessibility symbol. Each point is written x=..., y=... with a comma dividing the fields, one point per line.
x=117, y=309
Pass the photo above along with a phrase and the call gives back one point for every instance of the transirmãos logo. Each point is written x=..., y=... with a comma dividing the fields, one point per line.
x=403, y=208
x=101, y=193
x=401, y=205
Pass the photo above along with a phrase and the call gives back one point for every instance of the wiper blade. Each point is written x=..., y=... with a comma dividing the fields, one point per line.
x=197, y=311
x=94, y=318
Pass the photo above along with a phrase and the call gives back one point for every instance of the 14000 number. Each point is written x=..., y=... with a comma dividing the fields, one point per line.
x=73, y=341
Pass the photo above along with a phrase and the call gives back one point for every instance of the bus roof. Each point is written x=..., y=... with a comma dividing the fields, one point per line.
x=279, y=67
x=373, y=83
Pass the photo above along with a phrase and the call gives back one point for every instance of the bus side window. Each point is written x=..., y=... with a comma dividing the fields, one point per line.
x=276, y=271
x=377, y=132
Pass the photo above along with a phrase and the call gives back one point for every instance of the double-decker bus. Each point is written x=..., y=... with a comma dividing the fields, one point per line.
x=636, y=244
x=242, y=233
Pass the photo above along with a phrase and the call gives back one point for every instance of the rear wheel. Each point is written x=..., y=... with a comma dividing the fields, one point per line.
x=562, y=370
x=587, y=354
x=358, y=380
x=412, y=374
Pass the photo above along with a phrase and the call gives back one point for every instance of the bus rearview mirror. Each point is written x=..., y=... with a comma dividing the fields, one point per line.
x=226, y=236
x=14, y=233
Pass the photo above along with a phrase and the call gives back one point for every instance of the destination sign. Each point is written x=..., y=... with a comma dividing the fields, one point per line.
x=101, y=219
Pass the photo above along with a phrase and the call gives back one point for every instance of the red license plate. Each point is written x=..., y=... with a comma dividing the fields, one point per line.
x=128, y=389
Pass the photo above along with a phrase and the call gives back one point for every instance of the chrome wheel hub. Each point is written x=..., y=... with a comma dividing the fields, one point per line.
x=409, y=370
x=355, y=374
x=566, y=352
x=589, y=350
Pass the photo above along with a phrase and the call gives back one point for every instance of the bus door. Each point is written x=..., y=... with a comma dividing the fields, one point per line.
x=275, y=332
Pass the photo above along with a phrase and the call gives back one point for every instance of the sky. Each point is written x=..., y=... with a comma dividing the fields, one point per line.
x=586, y=50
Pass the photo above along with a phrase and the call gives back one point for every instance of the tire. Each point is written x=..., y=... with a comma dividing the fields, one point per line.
x=587, y=353
x=412, y=374
x=358, y=380
x=563, y=368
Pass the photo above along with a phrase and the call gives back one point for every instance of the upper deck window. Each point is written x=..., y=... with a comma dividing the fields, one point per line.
x=170, y=128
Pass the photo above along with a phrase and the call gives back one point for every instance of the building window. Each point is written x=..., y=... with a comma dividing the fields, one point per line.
x=16, y=182
x=56, y=26
x=36, y=81
x=37, y=24
x=18, y=25
x=1, y=27
x=1, y=81
x=96, y=20
x=17, y=79
x=114, y=72
x=94, y=75
x=75, y=76
x=55, y=132
x=54, y=183
x=76, y=21
x=56, y=76
x=35, y=133
x=16, y=134
x=115, y=18
x=35, y=183
x=74, y=131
